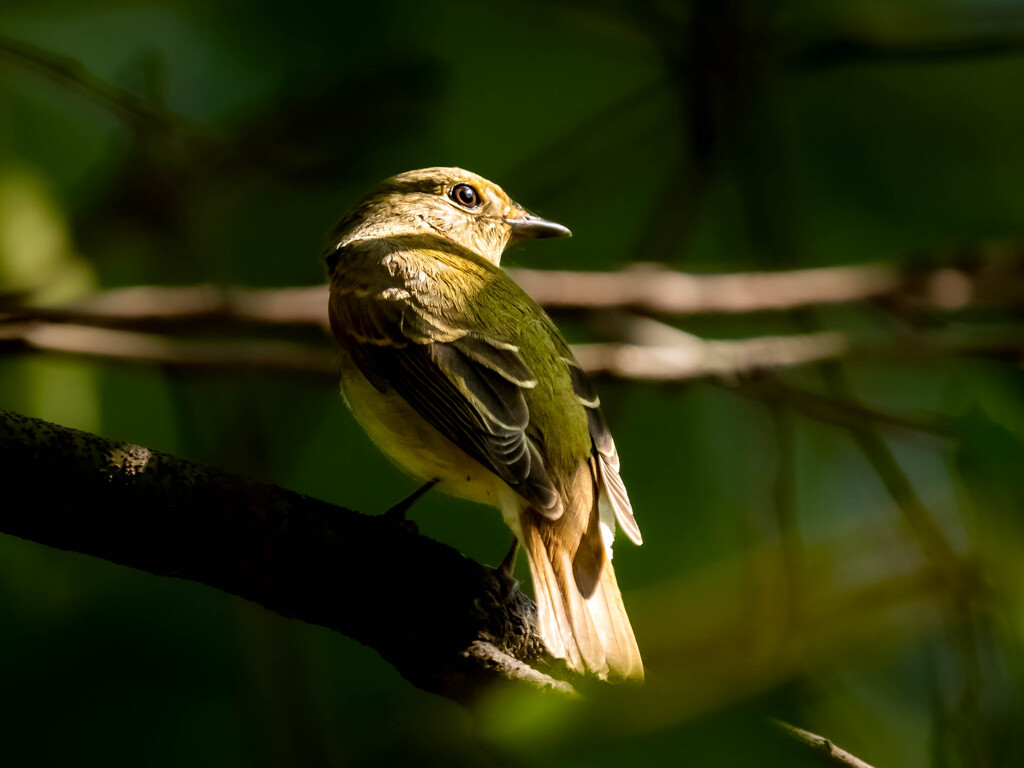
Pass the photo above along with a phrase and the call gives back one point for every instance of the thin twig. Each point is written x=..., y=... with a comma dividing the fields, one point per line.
x=841, y=412
x=960, y=585
x=849, y=51
x=787, y=524
x=524, y=177
x=833, y=754
x=71, y=74
x=916, y=514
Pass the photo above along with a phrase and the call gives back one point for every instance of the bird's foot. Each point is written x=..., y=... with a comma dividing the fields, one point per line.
x=397, y=513
x=505, y=572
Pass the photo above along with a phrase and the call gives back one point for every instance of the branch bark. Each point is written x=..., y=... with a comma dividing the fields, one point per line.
x=448, y=624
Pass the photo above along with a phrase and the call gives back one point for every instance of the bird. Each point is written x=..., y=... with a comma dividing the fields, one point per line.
x=462, y=380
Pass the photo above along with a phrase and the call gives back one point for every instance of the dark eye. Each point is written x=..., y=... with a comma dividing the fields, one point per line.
x=465, y=195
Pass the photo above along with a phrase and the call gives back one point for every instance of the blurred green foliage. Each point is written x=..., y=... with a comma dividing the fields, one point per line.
x=777, y=576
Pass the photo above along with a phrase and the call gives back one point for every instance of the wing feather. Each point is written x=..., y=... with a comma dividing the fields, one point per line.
x=608, y=457
x=467, y=385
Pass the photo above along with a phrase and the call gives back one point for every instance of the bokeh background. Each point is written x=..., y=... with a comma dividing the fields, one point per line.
x=146, y=143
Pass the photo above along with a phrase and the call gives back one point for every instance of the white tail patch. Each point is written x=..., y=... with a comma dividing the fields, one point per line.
x=615, y=493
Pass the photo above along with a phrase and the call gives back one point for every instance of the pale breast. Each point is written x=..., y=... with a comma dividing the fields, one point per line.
x=414, y=444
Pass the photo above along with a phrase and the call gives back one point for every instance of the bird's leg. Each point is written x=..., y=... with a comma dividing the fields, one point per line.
x=397, y=513
x=507, y=568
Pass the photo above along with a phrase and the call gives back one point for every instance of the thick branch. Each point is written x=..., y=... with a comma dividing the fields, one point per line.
x=448, y=624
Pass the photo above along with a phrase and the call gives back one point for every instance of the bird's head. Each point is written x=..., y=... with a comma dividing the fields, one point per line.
x=451, y=203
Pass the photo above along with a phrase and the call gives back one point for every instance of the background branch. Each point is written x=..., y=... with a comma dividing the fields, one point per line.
x=848, y=51
x=150, y=348
x=703, y=358
x=648, y=288
x=689, y=359
x=832, y=754
x=74, y=76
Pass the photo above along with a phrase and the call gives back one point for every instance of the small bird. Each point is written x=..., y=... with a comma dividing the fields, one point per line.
x=463, y=381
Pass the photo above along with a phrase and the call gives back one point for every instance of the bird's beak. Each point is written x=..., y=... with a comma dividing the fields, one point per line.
x=526, y=226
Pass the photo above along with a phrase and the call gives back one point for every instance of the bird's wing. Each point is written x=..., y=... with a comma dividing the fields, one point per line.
x=467, y=384
x=604, y=447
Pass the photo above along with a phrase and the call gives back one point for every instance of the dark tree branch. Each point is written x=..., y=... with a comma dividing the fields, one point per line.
x=448, y=624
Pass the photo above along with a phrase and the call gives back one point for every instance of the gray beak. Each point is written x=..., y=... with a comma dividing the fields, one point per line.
x=530, y=227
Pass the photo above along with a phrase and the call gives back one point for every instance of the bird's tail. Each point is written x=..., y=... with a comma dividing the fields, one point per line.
x=582, y=618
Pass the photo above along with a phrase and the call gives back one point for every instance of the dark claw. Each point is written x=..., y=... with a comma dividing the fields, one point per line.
x=506, y=570
x=398, y=512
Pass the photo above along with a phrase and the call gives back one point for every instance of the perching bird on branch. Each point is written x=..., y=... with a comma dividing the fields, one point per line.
x=461, y=379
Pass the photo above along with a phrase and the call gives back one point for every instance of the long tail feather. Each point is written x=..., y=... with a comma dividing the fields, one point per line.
x=582, y=618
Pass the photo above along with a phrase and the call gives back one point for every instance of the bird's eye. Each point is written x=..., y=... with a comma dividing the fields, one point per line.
x=465, y=195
